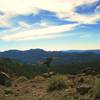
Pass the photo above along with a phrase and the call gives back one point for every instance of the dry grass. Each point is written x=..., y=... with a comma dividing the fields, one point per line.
x=36, y=88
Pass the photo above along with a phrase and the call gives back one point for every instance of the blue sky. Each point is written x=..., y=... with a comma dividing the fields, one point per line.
x=49, y=24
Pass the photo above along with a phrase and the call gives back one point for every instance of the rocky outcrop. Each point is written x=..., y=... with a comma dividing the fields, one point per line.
x=5, y=79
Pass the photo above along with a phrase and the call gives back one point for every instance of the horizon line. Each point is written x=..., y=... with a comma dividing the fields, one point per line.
x=47, y=50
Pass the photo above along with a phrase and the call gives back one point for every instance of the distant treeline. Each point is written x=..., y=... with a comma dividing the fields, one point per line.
x=29, y=70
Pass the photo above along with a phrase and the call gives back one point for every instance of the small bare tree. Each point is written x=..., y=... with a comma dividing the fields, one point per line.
x=48, y=62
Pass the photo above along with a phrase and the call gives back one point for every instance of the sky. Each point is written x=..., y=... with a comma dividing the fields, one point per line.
x=49, y=24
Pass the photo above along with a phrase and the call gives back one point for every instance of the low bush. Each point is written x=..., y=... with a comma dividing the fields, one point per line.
x=21, y=79
x=96, y=88
x=56, y=83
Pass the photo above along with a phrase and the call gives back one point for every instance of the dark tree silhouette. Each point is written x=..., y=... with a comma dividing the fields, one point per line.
x=48, y=62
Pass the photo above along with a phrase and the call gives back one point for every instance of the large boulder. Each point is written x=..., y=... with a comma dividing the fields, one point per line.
x=83, y=89
x=89, y=71
x=5, y=79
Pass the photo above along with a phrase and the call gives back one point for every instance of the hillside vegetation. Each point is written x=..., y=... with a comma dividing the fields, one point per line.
x=14, y=67
x=71, y=81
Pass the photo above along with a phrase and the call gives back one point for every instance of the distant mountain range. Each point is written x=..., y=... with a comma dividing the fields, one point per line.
x=83, y=51
x=35, y=55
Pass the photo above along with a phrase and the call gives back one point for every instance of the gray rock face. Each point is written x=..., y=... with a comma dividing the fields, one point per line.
x=4, y=79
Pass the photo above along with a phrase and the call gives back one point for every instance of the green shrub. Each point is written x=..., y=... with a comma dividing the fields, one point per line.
x=56, y=83
x=96, y=88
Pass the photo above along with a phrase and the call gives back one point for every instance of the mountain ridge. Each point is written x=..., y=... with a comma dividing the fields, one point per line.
x=35, y=55
x=69, y=51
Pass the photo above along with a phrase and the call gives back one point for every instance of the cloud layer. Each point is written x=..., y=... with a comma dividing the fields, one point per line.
x=63, y=9
x=39, y=33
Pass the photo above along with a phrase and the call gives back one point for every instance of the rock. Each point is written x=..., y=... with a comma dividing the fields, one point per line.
x=97, y=97
x=98, y=76
x=40, y=98
x=21, y=79
x=67, y=90
x=8, y=91
x=39, y=78
x=83, y=89
x=16, y=94
x=5, y=79
x=81, y=74
x=51, y=73
x=46, y=75
x=81, y=80
x=89, y=71
x=72, y=77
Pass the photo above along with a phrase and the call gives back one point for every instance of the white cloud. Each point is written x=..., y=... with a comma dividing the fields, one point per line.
x=47, y=32
x=27, y=6
x=4, y=20
x=63, y=8
x=66, y=9
x=12, y=8
x=97, y=10
x=44, y=23
x=85, y=36
x=23, y=24
x=92, y=19
x=71, y=15
x=17, y=6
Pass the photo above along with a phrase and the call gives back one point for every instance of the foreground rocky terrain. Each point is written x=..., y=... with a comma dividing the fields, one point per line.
x=52, y=87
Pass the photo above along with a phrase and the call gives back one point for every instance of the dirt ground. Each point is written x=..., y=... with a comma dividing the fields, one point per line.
x=36, y=89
